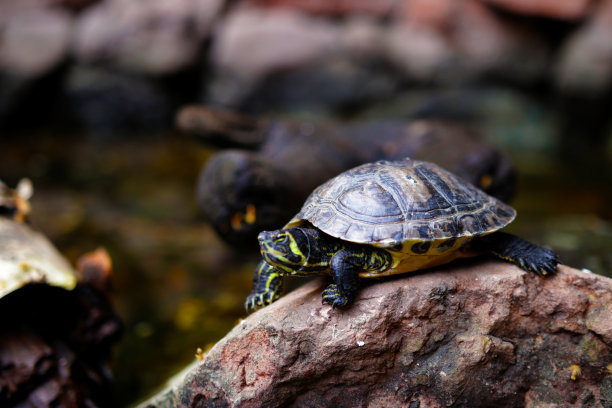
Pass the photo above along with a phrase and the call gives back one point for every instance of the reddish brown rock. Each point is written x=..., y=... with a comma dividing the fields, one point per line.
x=477, y=333
x=431, y=13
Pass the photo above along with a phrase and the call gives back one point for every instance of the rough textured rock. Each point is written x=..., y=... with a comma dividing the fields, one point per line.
x=479, y=333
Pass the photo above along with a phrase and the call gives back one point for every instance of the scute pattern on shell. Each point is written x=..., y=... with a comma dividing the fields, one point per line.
x=389, y=202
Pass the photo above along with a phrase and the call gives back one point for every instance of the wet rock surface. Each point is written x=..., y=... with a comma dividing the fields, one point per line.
x=478, y=333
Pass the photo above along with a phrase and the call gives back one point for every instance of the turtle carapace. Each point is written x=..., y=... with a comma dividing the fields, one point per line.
x=386, y=218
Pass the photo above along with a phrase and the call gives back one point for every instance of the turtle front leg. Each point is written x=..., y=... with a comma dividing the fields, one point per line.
x=526, y=255
x=267, y=287
x=345, y=266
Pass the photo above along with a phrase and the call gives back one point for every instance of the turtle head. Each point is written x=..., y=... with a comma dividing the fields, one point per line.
x=286, y=249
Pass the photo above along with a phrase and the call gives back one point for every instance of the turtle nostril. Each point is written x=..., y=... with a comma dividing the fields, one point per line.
x=264, y=236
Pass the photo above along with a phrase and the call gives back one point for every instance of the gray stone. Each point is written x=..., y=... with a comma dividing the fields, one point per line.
x=585, y=62
x=35, y=37
x=157, y=37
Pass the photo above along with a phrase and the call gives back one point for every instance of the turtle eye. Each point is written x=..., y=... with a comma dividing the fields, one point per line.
x=280, y=238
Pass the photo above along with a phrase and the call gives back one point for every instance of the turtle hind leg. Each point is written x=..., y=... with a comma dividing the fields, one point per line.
x=527, y=256
x=267, y=287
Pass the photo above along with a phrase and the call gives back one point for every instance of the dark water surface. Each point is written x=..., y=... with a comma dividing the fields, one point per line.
x=177, y=286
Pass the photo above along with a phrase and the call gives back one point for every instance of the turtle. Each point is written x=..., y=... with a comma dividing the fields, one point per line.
x=386, y=218
x=273, y=165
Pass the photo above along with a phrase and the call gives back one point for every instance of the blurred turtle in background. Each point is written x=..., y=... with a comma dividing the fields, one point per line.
x=57, y=323
x=272, y=166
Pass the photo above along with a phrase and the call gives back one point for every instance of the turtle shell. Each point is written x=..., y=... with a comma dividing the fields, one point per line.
x=388, y=203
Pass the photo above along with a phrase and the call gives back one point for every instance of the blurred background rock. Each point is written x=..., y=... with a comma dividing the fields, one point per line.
x=89, y=91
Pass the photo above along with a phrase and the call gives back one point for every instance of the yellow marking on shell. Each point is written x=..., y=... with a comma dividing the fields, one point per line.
x=433, y=249
x=249, y=216
x=404, y=260
x=575, y=371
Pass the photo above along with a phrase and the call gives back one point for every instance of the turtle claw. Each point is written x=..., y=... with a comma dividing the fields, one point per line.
x=267, y=287
x=333, y=297
x=542, y=262
x=253, y=302
x=258, y=300
x=529, y=257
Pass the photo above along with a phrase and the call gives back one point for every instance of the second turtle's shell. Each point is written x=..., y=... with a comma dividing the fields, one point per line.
x=387, y=203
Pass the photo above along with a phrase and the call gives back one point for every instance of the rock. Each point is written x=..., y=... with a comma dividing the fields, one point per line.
x=34, y=45
x=490, y=43
x=254, y=43
x=335, y=8
x=476, y=333
x=585, y=63
x=566, y=10
x=362, y=37
x=35, y=37
x=419, y=52
x=159, y=37
x=273, y=59
x=436, y=14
